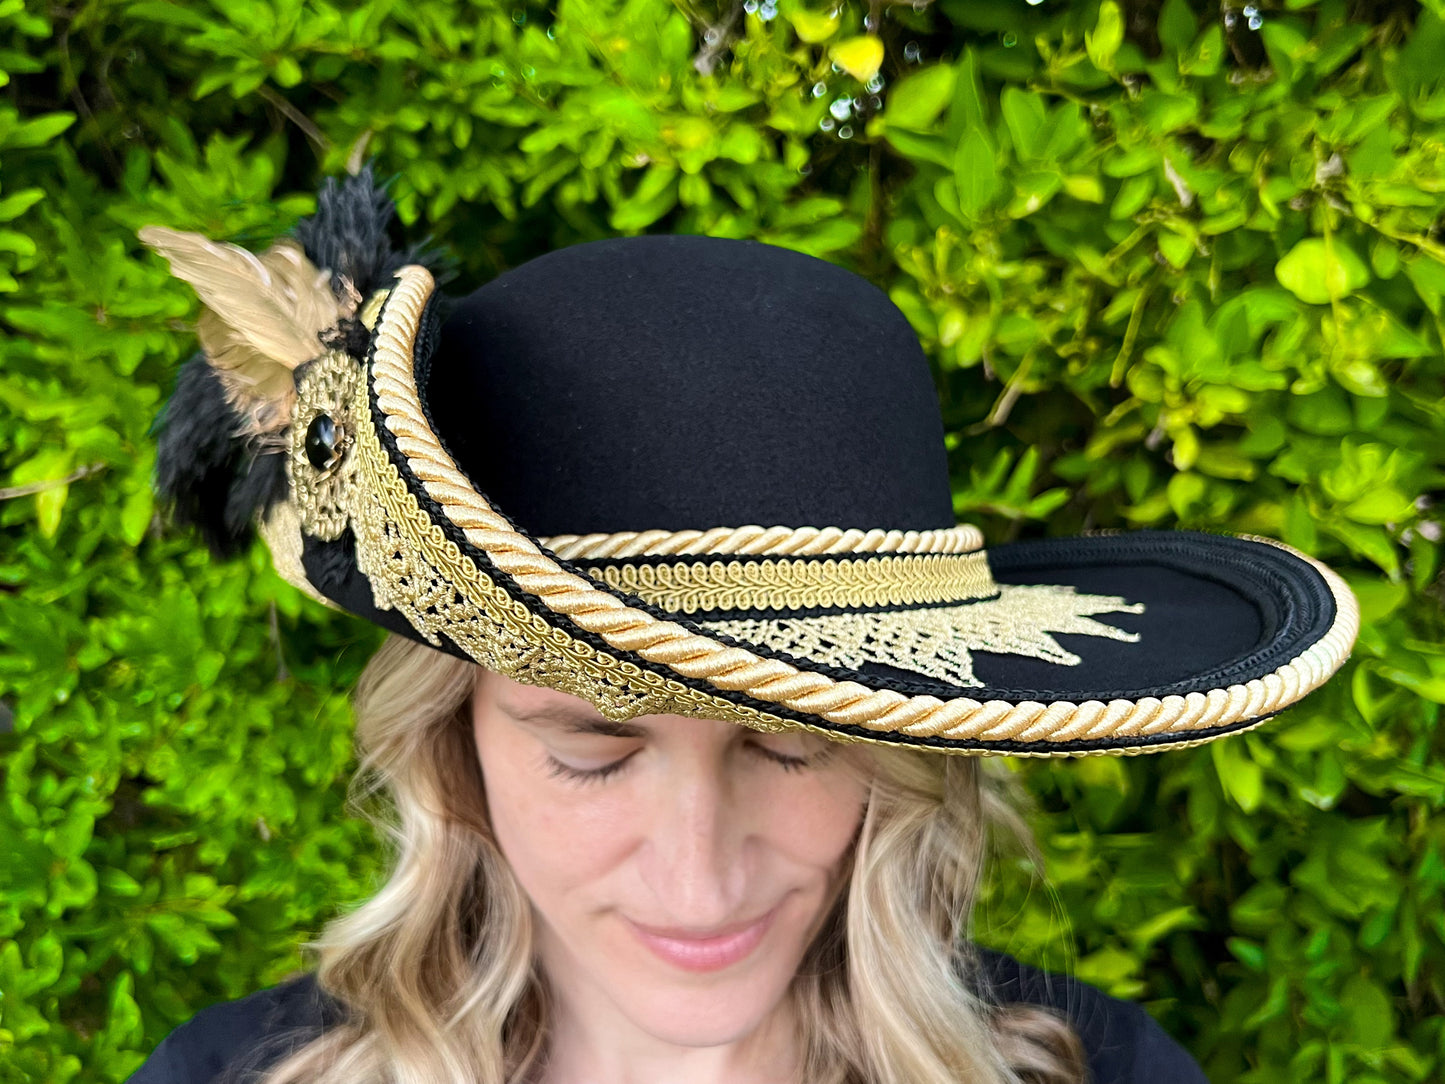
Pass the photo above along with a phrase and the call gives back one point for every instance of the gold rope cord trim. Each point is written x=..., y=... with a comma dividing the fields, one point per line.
x=372, y=309
x=893, y=580
x=769, y=680
x=937, y=641
x=754, y=541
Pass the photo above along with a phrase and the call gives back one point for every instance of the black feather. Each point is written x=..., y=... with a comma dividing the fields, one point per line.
x=213, y=479
x=349, y=336
x=349, y=235
x=260, y=483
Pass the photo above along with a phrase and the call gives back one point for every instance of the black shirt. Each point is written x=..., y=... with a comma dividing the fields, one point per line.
x=1123, y=1043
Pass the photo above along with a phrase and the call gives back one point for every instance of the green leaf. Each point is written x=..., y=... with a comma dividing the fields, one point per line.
x=975, y=173
x=1241, y=778
x=1319, y=269
x=1248, y=953
x=1165, y=113
x=655, y=195
x=919, y=98
x=1177, y=25
x=17, y=203
x=123, y=1026
x=1369, y=1015
x=1174, y=248
x=172, y=14
x=1381, y=505
x=1086, y=188
x=1185, y=490
x=1102, y=43
x=1206, y=56
x=1032, y=191
x=1133, y=194
x=287, y=72
x=1023, y=113
x=968, y=112
x=118, y=882
x=37, y=132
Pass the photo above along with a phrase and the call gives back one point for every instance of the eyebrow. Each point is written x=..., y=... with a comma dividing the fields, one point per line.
x=576, y=721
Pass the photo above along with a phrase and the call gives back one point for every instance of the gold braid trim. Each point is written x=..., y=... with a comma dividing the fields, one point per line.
x=901, y=580
x=733, y=669
x=757, y=541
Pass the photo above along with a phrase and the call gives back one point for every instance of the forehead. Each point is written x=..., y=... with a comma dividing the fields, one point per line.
x=540, y=708
x=531, y=703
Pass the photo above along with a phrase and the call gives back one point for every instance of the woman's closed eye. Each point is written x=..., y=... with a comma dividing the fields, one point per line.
x=590, y=772
x=790, y=762
x=561, y=770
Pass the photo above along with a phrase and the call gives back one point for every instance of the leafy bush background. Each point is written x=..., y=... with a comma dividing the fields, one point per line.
x=1177, y=264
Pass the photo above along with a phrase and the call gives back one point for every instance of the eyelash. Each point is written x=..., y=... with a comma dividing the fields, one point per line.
x=578, y=775
x=596, y=775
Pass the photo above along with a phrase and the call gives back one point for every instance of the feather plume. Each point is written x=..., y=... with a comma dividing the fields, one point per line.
x=349, y=233
x=263, y=316
x=220, y=460
x=213, y=480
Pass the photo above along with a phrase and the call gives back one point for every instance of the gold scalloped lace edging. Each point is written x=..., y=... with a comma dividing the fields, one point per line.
x=855, y=583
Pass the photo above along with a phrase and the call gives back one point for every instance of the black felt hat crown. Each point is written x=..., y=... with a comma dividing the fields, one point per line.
x=699, y=476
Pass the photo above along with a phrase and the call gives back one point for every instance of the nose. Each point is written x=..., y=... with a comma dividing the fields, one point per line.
x=694, y=856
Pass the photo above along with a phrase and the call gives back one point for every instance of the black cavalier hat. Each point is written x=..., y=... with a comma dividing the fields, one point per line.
x=699, y=476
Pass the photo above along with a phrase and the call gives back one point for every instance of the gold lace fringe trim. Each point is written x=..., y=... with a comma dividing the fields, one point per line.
x=937, y=641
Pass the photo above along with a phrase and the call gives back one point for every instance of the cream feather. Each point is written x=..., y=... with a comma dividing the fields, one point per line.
x=263, y=316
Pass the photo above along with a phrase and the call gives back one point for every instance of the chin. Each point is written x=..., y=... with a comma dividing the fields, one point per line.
x=703, y=1013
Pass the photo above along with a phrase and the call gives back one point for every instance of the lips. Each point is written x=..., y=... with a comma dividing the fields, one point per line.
x=704, y=950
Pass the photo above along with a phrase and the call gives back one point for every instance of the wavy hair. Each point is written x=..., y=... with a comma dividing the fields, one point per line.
x=436, y=969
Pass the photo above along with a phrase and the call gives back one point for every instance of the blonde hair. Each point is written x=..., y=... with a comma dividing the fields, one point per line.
x=436, y=969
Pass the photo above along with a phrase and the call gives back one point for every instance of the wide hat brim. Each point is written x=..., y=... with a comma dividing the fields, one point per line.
x=1121, y=643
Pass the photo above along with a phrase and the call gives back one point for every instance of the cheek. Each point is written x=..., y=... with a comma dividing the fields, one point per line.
x=811, y=820
x=553, y=842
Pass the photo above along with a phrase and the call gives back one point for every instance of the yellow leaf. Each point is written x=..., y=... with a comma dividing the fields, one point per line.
x=48, y=503
x=812, y=27
x=860, y=57
x=1083, y=187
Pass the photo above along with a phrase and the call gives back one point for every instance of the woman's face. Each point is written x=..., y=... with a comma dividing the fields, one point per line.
x=679, y=867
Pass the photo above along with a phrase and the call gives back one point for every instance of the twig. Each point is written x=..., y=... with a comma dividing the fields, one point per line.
x=12, y=492
x=83, y=107
x=1181, y=186
x=1131, y=333
x=357, y=157
x=296, y=117
x=720, y=34
x=1011, y=392
x=282, y=674
x=873, y=220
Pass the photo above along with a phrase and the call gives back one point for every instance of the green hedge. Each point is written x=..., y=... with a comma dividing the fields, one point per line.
x=1177, y=265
